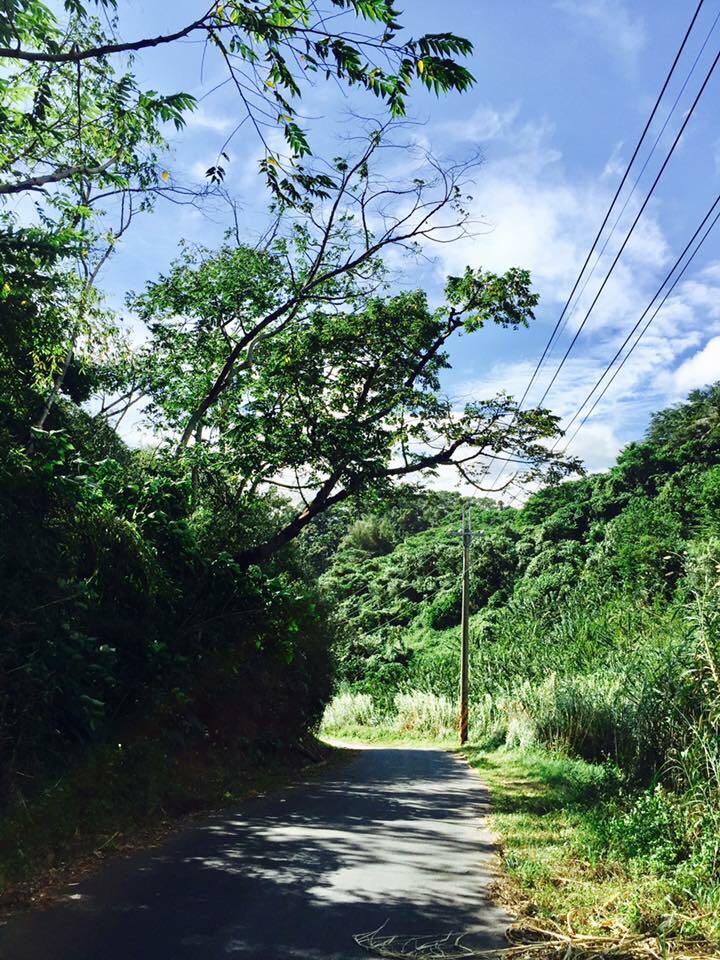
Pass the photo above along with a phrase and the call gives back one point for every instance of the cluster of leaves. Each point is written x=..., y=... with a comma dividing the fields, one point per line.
x=35, y=296
x=64, y=122
x=271, y=51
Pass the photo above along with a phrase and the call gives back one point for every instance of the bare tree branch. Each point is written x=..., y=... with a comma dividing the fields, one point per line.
x=63, y=173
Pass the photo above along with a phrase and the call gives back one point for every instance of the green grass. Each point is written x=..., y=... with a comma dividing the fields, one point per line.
x=384, y=735
x=547, y=809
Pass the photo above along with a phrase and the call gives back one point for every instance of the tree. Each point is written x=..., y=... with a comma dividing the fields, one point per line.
x=237, y=299
x=299, y=370
x=78, y=123
x=35, y=297
x=272, y=51
x=352, y=402
x=689, y=431
x=83, y=138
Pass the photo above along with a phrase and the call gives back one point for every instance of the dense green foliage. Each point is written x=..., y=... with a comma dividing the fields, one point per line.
x=124, y=610
x=131, y=588
x=596, y=629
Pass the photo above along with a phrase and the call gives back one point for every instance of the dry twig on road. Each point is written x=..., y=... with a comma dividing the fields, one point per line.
x=532, y=940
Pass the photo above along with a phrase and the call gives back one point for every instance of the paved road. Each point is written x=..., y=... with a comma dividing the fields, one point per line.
x=393, y=837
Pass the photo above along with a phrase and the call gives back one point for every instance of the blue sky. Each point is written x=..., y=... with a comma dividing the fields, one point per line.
x=563, y=90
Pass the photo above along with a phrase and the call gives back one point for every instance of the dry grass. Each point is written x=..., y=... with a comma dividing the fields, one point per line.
x=530, y=939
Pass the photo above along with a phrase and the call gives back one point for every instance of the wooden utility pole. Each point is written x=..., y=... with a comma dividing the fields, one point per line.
x=467, y=535
x=465, y=635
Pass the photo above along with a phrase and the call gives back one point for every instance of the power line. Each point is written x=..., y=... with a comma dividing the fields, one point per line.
x=642, y=316
x=614, y=199
x=648, y=307
x=634, y=224
x=606, y=218
x=637, y=181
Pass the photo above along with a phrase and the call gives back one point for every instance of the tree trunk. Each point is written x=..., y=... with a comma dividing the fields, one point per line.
x=287, y=534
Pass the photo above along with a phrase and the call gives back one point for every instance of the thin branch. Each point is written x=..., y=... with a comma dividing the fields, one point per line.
x=90, y=53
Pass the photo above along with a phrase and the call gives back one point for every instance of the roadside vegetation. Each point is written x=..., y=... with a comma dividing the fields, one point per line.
x=581, y=857
x=595, y=681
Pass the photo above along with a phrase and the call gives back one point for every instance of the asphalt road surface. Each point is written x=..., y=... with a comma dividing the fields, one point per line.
x=394, y=837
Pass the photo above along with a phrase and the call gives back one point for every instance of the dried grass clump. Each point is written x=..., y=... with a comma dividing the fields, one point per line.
x=528, y=938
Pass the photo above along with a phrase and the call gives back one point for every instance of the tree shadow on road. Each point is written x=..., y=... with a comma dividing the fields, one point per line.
x=294, y=875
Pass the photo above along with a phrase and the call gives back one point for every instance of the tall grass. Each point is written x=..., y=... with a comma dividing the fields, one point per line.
x=414, y=714
x=424, y=714
x=607, y=678
x=347, y=710
x=594, y=716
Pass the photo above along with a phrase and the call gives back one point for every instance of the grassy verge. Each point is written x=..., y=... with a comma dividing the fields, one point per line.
x=549, y=812
x=384, y=735
x=119, y=801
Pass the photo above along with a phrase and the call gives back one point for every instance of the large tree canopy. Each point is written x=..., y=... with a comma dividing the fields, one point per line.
x=342, y=395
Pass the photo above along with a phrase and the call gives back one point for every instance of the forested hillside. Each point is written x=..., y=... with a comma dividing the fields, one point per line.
x=612, y=568
x=593, y=591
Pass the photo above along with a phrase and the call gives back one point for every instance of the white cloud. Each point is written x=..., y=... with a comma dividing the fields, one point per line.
x=202, y=120
x=615, y=166
x=484, y=124
x=610, y=20
x=198, y=169
x=597, y=445
x=544, y=220
x=700, y=369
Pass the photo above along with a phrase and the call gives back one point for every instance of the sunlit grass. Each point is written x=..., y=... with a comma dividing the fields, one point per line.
x=415, y=715
x=545, y=809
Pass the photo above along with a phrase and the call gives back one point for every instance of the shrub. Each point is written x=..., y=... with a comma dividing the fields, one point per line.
x=443, y=610
x=650, y=827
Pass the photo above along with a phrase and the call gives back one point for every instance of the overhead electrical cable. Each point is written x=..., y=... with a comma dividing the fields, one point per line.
x=635, y=183
x=649, y=321
x=607, y=216
x=630, y=232
x=648, y=308
x=625, y=175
